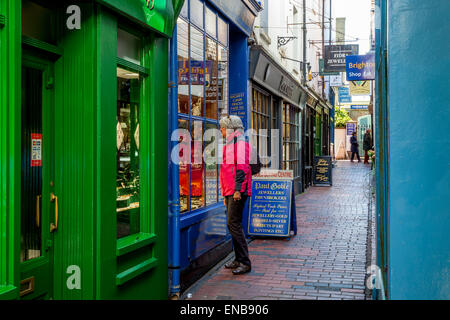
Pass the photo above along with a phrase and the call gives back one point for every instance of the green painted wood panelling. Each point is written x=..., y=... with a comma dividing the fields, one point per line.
x=162, y=18
x=132, y=66
x=2, y=21
x=10, y=64
x=35, y=43
x=128, y=244
x=157, y=93
x=85, y=93
x=135, y=271
x=75, y=90
x=105, y=158
x=123, y=268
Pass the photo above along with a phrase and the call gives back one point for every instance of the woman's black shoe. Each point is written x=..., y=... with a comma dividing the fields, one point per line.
x=242, y=269
x=232, y=264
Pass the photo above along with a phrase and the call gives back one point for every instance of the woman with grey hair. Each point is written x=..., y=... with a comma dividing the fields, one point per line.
x=236, y=187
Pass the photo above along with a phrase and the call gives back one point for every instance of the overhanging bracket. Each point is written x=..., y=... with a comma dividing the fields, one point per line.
x=281, y=41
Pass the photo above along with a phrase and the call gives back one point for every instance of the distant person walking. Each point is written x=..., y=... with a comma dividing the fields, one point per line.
x=236, y=187
x=354, y=148
x=367, y=145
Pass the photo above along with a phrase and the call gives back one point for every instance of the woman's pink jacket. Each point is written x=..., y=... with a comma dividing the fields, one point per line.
x=236, y=176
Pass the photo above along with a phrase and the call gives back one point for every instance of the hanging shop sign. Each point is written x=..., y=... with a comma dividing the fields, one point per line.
x=322, y=72
x=336, y=81
x=350, y=128
x=272, y=205
x=335, y=56
x=359, y=107
x=344, y=95
x=359, y=88
x=360, y=67
x=322, y=173
x=36, y=150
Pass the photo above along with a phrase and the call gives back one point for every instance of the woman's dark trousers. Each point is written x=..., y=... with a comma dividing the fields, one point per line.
x=357, y=155
x=234, y=223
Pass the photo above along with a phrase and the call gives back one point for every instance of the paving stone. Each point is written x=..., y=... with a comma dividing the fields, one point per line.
x=326, y=256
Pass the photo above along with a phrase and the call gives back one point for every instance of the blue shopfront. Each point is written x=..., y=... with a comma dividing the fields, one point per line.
x=209, y=74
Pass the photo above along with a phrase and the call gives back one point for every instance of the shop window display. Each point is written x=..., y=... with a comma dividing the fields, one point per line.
x=196, y=12
x=291, y=136
x=211, y=78
x=222, y=83
x=197, y=185
x=197, y=73
x=210, y=22
x=261, y=120
x=183, y=66
x=222, y=31
x=202, y=98
x=192, y=191
x=183, y=165
x=211, y=166
x=127, y=129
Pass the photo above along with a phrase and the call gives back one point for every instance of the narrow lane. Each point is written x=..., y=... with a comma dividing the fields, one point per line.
x=326, y=260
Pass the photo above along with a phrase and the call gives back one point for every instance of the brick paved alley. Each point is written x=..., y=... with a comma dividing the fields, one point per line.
x=326, y=260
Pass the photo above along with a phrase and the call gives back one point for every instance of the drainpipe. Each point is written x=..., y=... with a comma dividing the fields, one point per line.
x=304, y=43
x=323, y=45
x=174, y=196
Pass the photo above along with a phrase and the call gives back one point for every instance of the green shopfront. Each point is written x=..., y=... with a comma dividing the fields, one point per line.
x=83, y=148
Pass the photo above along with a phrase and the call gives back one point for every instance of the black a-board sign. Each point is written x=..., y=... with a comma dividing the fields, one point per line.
x=272, y=210
x=322, y=174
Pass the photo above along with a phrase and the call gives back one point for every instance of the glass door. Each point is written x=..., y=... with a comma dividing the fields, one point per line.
x=39, y=205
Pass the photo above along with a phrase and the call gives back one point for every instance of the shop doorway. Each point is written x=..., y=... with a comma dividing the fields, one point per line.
x=39, y=203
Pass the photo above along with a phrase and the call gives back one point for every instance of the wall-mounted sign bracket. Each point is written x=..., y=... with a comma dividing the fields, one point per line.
x=284, y=40
x=314, y=74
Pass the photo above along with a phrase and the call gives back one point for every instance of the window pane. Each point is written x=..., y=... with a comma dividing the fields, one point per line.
x=211, y=165
x=184, y=10
x=184, y=159
x=222, y=31
x=183, y=69
x=223, y=80
x=197, y=178
x=260, y=123
x=128, y=96
x=197, y=73
x=197, y=13
x=221, y=142
x=210, y=22
x=128, y=46
x=211, y=78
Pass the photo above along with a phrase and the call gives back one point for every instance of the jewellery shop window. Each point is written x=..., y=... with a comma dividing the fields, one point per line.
x=261, y=109
x=202, y=51
x=291, y=139
x=127, y=134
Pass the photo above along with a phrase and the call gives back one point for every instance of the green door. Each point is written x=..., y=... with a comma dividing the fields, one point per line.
x=39, y=205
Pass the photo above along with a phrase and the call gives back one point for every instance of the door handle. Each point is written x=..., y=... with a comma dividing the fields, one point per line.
x=38, y=210
x=54, y=226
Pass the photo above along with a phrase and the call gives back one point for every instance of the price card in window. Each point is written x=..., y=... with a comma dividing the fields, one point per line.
x=36, y=150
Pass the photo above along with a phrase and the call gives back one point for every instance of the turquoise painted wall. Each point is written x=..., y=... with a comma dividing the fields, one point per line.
x=418, y=64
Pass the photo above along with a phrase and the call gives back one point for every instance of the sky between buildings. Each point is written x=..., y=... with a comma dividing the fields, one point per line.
x=357, y=22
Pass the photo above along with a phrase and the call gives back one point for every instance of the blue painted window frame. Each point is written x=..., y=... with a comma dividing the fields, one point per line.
x=199, y=212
